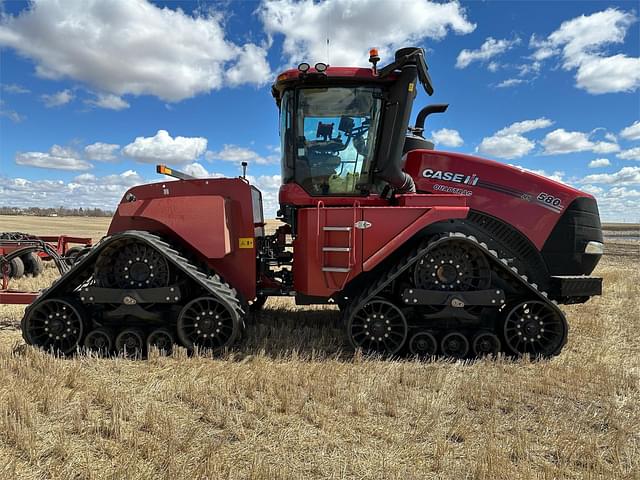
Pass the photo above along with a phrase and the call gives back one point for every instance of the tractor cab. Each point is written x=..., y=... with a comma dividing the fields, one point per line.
x=343, y=130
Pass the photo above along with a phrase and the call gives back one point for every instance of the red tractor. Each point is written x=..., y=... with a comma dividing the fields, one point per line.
x=424, y=252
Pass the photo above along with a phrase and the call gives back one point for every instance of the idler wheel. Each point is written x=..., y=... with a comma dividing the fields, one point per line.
x=485, y=344
x=378, y=327
x=536, y=328
x=130, y=343
x=423, y=344
x=455, y=345
x=162, y=339
x=132, y=265
x=453, y=266
x=99, y=340
x=54, y=324
x=207, y=323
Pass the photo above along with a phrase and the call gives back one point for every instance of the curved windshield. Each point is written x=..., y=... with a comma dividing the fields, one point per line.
x=336, y=131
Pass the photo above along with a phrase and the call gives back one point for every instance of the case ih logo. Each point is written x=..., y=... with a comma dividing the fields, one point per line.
x=451, y=176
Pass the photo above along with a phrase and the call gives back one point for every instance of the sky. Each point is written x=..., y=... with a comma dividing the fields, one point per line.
x=94, y=93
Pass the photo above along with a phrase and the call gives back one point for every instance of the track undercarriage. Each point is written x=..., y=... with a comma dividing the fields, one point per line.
x=456, y=297
x=451, y=296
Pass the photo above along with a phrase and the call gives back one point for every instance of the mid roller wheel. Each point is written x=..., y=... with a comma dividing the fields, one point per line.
x=423, y=344
x=208, y=323
x=130, y=343
x=54, y=324
x=485, y=343
x=535, y=327
x=162, y=339
x=455, y=345
x=99, y=340
x=378, y=327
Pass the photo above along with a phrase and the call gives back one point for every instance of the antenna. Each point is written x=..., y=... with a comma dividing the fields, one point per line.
x=328, y=62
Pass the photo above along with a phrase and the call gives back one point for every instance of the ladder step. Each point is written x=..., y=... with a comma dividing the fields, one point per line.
x=336, y=249
x=336, y=269
x=336, y=229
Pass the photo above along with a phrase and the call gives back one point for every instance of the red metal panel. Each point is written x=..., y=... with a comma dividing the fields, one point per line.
x=201, y=221
x=308, y=257
x=378, y=239
x=202, y=230
x=500, y=190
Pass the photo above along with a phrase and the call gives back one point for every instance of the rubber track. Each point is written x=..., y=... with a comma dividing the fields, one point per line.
x=408, y=261
x=82, y=271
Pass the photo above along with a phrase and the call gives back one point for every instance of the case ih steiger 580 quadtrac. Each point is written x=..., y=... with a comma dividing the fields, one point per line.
x=425, y=252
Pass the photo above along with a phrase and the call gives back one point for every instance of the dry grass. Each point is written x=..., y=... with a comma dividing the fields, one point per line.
x=289, y=403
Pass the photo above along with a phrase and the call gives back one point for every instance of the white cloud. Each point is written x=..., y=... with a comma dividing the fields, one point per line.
x=447, y=137
x=14, y=88
x=581, y=43
x=624, y=176
x=610, y=74
x=85, y=190
x=251, y=67
x=57, y=99
x=509, y=143
x=108, y=101
x=489, y=49
x=60, y=158
x=561, y=141
x=631, y=154
x=103, y=152
x=269, y=185
x=510, y=82
x=129, y=47
x=12, y=115
x=506, y=146
x=599, y=162
x=196, y=169
x=616, y=203
x=163, y=148
x=355, y=26
x=632, y=132
x=525, y=126
x=237, y=154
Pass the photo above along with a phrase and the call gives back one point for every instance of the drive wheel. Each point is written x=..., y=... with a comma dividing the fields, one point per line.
x=16, y=268
x=486, y=343
x=130, y=343
x=207, y=323
x=378, y=327
x=161, y=339
x=54, y=324
x=537, y=328
x=455, y=345
x=132, y=265
x=99, y=340
x=33, y=264
x=453, y=266
x=423, y=344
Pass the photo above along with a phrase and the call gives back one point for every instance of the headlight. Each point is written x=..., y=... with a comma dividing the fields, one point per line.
x=594, y=248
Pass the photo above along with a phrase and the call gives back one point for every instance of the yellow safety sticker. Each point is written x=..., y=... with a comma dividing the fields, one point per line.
x=245, y=242
x=411, y=86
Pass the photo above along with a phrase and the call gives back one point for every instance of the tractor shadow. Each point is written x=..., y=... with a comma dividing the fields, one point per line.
x=281, y=331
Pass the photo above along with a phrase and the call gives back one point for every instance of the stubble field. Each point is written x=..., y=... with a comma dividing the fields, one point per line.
x=292, y=401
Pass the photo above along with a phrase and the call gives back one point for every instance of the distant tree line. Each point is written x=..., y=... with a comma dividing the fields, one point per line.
x=59, y=211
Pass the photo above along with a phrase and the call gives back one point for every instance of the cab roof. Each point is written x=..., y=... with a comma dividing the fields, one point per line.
x=294, y=76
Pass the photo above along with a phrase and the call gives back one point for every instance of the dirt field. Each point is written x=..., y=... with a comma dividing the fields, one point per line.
x=293, y=402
